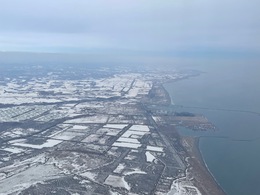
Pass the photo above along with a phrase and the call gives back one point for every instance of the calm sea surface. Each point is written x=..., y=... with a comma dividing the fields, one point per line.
x=229, y=96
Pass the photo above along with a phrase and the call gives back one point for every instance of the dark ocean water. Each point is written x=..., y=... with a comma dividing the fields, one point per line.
x=229, y=96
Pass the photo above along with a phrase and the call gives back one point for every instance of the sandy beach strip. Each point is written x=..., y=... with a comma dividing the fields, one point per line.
x=203, y=179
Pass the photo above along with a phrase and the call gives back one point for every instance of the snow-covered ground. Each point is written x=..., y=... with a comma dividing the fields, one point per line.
x=127, y=145
x=90, y=124
x=183, y=187
x=28, y=177
x=149, y=156
x=115, y=126
x=117, y=182
x=140, y=128
x=48, y=144
x=128, y=140
x=90, y=119
x=154, y=148
x=14, y=150
x=129, y=133
x=120, y=168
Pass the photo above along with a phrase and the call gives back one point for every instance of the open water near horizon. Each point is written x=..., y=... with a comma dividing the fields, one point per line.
x=229, y=96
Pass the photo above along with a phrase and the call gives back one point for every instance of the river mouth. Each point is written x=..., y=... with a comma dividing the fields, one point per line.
x=231, y=103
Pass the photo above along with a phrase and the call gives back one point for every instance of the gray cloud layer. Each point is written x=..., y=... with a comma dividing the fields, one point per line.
x=130, y=25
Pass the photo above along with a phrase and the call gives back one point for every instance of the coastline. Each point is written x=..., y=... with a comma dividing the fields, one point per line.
x=202, y=177
x=200, y=157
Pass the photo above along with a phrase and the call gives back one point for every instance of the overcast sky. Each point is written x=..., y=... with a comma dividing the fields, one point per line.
x=148, y=26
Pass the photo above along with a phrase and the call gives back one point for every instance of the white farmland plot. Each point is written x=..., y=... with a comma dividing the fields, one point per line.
x=115, y=126
x=48, y=144
x=149, y=156
x=127, y=145
x=154, y=148
x=65, y=136
x=129, y=133
x=29, y=177
x=120, y=168
x=129, y=142
x=140, y=128
x=117, y=182
x=14, y=150
x=89, y=119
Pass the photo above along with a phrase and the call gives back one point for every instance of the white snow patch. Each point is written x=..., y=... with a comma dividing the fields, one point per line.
x=134, y=171
x=181, y=187
x=119, y=168
x=28, y=177
x=127, y=145
x=149, y=156
x=128, y=140
x=90, y=119
x=48, y=144
x=154, y=148
x=64, y=136
x=89, y=175
x=140, y=128
x=112, y=132
x=117, y=182
x=133, y=93
x=79, y=127
x=116, y=126
x=129, y=133
x=156, y=118
x=14, y=150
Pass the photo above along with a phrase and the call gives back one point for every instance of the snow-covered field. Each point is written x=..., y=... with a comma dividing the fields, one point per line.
x=183, y=187
x=127, y=145
x=48, y=144
x=28, y=177
x=14, y=150
x=82, y=129
x=149, y=156
x=115, y=126
x=128, y=140
x=154, y=148
x=90, y=119
x=129, y=133
x=140, y=128
x=117, y=181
